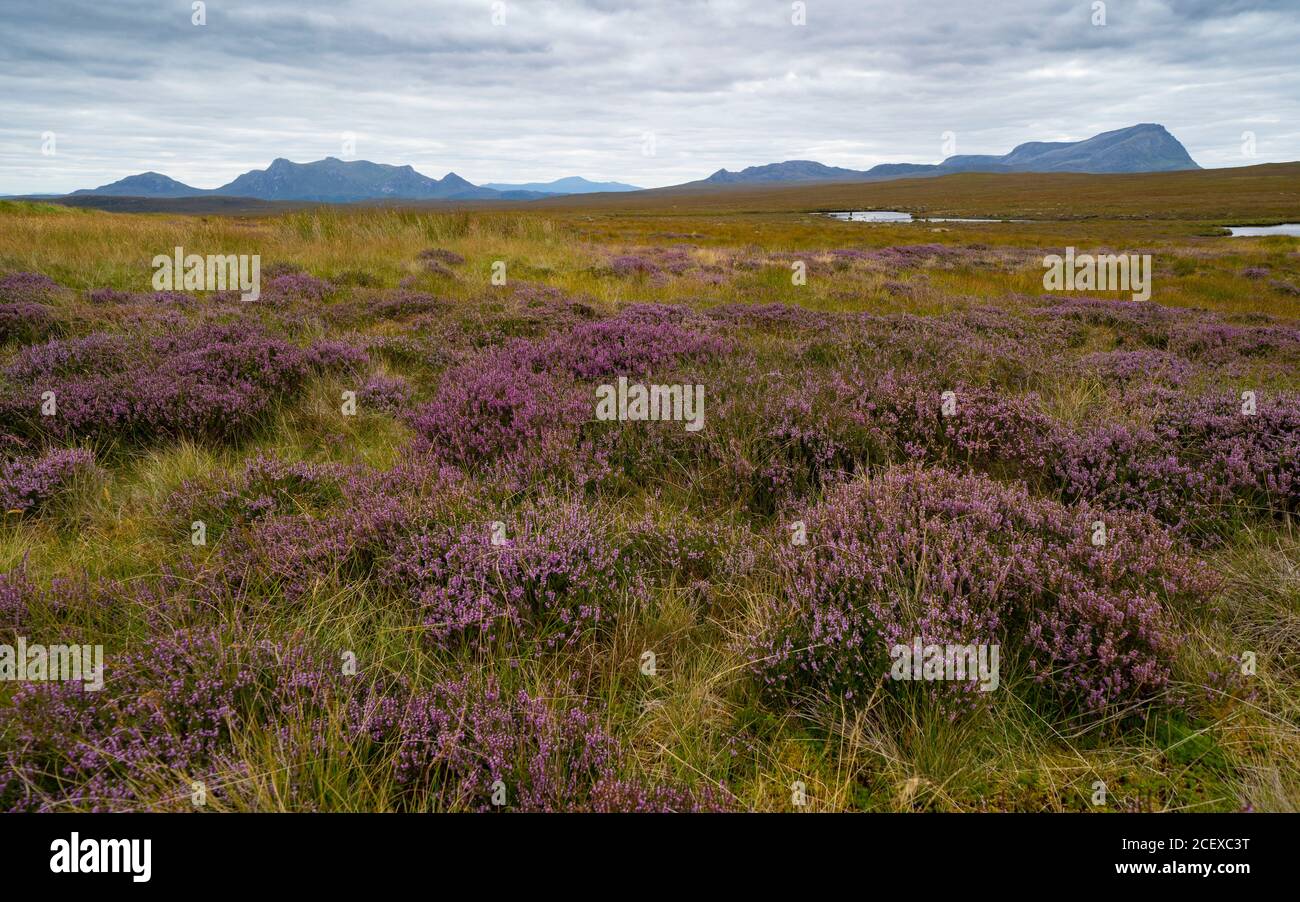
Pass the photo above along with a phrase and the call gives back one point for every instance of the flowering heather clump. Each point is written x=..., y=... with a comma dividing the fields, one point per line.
x=385, y=394
x=297, y=286
x=25, y=322
x=17, y=591
x=441, y=255
x=15, y=588
x=401, y=303
x=1255, y=458
x=1130, y=366
x=497, y=406
x=98, y=352
x=23, y=601
x=174, y=712
x=1145, y=323
x=293, y=554
x=687, y=552
x=109, y=296
x=415, y=478
x=653, y=261
x=653, y=314
x=527, y=294
x=1126, y=467
x=302, y=537
x=281, y=268
x=167, y=299
x=631, y=266
x=771, y=316
x=457, y=742
x=164, y=718
x=27, y=288
x=1200, y=337
x=676, y=260
x=640, y=339
x=988, y=429
x=518, y=405
x=807, y=439
x=232, y=353
x=1219, y=343
x=856, y=418
x=1193, y=466
x=411, y=350
x=213, y=381
x=710, y=275
x=1186, y=460
x=307, y=539
x=333, y=354
x=265, y=486
x=909, y=255
x=551, y=577
x=434, y=268
x=970, y=345
x=972, y=561
x=909, y=289
x=27, y=483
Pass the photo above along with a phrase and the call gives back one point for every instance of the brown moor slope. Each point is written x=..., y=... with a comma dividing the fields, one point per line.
x=1266, y=193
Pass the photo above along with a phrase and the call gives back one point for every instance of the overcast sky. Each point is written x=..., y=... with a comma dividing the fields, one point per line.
x=653, y=93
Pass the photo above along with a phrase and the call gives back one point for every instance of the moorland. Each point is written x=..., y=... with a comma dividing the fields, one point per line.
x=363, y=544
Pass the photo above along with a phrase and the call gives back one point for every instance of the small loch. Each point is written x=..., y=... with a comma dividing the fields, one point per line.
x=1286, y=228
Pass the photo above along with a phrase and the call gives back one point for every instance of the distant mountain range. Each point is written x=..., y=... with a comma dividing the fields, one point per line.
x=330, y=180
x=574, y=184
x=1139, y=148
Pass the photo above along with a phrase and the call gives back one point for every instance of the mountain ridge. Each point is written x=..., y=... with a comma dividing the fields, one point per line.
x=330, y=180
x=573, y=184
x=1146, y=147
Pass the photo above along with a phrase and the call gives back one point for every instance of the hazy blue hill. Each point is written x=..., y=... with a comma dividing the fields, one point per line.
x=789, y=171
x=340, y=181
x=330, y=180
x=574, y=184
x=1139, y=148
x=146, y=184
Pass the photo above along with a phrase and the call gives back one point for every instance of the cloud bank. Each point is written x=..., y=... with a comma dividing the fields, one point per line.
x=652, y=93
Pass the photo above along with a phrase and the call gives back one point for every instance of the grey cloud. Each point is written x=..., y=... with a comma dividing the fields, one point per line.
x=568, y=88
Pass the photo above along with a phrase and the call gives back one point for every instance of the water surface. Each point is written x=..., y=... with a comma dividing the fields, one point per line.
x=871, y=216
x=1286, y=228
x=897, y=216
